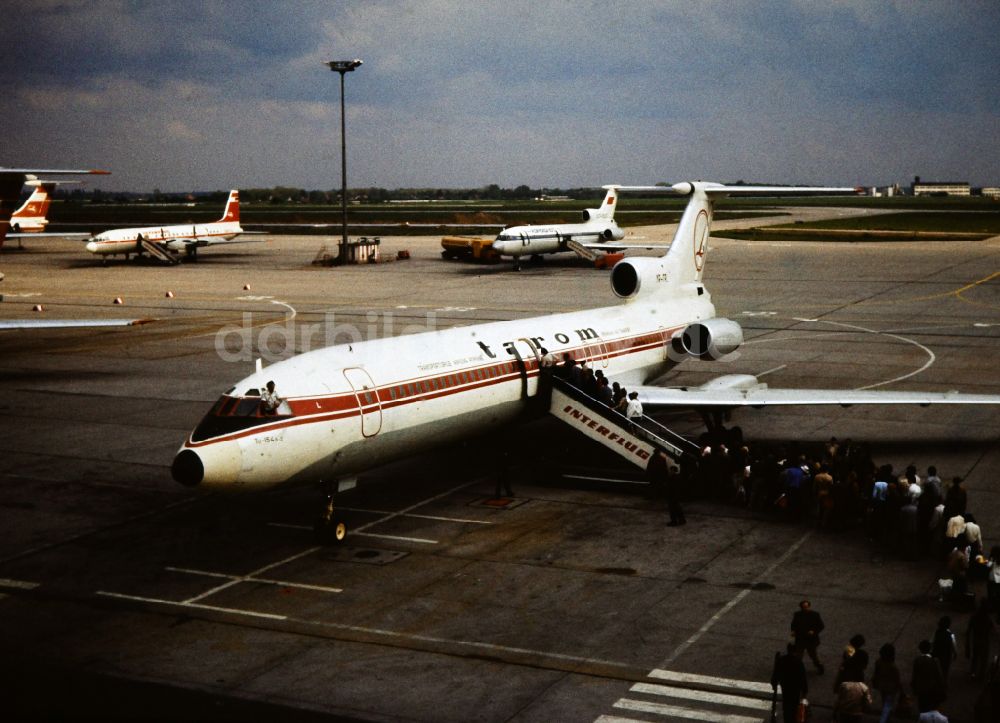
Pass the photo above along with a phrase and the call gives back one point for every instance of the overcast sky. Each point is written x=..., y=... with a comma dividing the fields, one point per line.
x=200, y=96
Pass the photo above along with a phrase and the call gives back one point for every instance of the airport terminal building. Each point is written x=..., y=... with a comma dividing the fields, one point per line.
x=937, y=188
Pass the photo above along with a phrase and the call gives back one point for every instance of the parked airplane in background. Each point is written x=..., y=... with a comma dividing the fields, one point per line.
x=334, y=412
x=596, y=232
x=31, y=218
x=171, y=243
x=11, y=181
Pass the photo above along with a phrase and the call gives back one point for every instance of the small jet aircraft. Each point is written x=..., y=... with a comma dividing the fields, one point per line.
x=171, y=243
x=596, y=232
x=331, y=413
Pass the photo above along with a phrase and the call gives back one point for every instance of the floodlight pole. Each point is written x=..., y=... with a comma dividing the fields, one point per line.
x=343, y=67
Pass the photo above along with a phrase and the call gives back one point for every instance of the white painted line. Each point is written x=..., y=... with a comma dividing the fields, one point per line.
x=420, y=540
x=678, y=712
x=268, y=581
x=617, y=719
x=423, y=517
x=302, y=585
x=18, y=584
x=377, y=631
x=273, y=565
x=703, y=696
x=772, y=371
x=676, y=677
x=200, y=606
x=413, y=507
x=363, y=534
x=733, y=603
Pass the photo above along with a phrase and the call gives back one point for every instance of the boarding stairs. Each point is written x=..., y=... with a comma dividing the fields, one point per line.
x=158, y=252
x=633, y=439
x=582, y=251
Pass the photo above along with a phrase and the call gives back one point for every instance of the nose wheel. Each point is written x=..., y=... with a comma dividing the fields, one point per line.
x=328, y=529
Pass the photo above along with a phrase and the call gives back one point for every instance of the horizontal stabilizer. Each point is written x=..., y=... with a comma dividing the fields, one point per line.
x=685, y=188
x=68, y=323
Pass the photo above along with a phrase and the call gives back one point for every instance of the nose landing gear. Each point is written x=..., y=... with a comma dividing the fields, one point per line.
x=328, y=529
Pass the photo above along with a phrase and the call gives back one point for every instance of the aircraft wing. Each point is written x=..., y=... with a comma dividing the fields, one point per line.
x=49, y=234
x=67, y=323
x=597, y=246
x=721, y=397
x=219, y=242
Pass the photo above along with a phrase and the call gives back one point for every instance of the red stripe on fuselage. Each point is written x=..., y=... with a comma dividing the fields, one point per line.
x=308, y=410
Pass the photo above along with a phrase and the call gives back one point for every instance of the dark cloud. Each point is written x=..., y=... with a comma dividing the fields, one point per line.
x=207, y=95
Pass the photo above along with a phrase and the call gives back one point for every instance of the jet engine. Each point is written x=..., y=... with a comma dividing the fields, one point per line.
x=709, y=339
x=630, y=276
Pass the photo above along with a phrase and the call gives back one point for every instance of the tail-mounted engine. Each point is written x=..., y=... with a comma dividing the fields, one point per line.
x=709, y=339
x=642, y=274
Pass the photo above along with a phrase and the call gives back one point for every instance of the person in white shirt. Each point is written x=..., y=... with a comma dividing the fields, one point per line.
x=269, y=400
x=634, y=408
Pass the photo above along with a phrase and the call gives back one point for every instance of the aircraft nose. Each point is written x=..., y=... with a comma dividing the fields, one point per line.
x=188, y=468
x=499, y=246
x=91, y=246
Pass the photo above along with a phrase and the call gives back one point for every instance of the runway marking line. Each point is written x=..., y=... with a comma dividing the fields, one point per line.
x=423, y=517
x=677, y=677
x=574, y=659
x=734, y=602
x=668, y=691
x=18, y=584
x=642, y=706
x=267, y=581
x=186, y=604
x=251, y=575
x=421, y=540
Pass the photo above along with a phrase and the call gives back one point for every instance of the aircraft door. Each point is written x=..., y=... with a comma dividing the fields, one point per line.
x=527, y=358
x=368, y=400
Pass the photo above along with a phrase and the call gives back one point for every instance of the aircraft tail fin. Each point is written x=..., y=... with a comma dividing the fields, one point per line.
x=11, y=180
x=689, y=248
x=607, y=210
x=232, y=212
x=31, y=216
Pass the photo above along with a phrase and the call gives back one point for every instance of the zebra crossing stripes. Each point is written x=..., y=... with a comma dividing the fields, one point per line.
x=700, y=695
x=726, y=700
x=673, y=676
x=681, y=712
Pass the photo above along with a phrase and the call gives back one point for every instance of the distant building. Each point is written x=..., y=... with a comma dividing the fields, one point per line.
x=992, y=192
x=940, y=188
x=887, y=191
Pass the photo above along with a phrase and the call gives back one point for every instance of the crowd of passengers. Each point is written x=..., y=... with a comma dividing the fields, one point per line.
x=836, y=486
x=594, y=384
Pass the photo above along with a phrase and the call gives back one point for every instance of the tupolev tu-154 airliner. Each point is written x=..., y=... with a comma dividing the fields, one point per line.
x=348, y=408
x=597, y=232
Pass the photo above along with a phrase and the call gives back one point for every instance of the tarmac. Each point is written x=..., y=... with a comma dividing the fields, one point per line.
x=124, y=595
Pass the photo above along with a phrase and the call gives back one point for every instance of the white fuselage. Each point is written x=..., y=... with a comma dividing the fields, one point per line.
x=351, y=407
x=177, y=238
x=530, y=240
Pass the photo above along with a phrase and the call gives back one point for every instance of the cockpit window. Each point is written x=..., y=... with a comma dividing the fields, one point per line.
x=233, y=414
x=247, y=406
